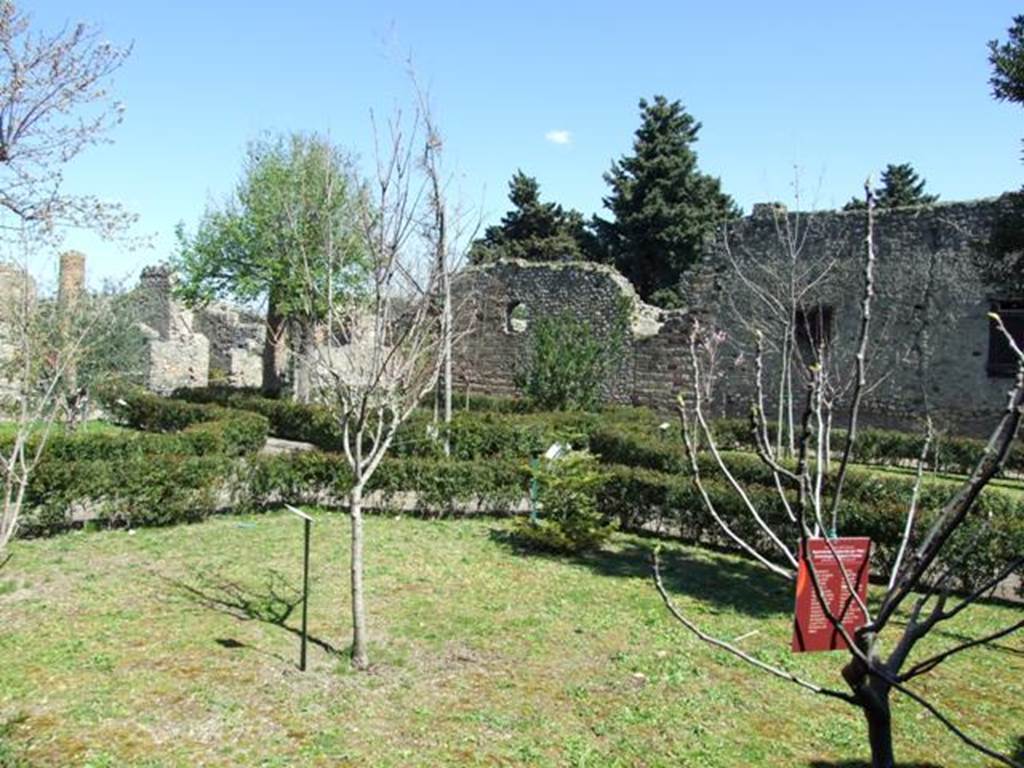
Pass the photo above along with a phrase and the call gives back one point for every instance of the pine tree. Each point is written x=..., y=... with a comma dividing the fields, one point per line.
x=663, y=206
x=533, y=230
x=1005, y=268
x=901, y=188
x=1007, y=60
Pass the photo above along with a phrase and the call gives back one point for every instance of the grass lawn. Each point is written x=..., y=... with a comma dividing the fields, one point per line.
x=178, y=647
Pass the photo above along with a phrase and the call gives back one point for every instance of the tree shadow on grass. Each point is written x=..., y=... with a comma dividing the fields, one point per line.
x=725, y=582
x=865, y=764
x=273, y=603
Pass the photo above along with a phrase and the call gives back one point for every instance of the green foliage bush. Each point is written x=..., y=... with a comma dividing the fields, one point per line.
x=653, y=487
x=203, y=446
x=510, y=432
x=316, y=477
x=568, y=518
x=567, y=361
x=887, y=447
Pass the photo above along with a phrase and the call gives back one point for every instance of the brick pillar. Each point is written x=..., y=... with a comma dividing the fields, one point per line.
x=71, y=285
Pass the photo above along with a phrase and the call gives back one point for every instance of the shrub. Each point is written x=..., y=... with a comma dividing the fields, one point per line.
x=568, y=517
x=316, y=477
x=566, y=362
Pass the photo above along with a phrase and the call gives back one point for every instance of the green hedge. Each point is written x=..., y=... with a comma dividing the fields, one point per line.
x=887, y=447
x=192, y=428
x=135, y=490
x=203, y=445
x=873, y=505
x=316, y=477
x=176, y=470
x=512, y=433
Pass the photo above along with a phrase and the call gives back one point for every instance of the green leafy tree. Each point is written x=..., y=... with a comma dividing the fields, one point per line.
x=663, y=205
x=901, y=188
x=267, y=243
x=534, y=230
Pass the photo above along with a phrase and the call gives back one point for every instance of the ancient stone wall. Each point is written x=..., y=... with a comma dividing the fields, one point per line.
x=193, y=347
x=928, y=276
x=236, y=344
x=178, y=355
x=500, y=301
x=17, y=292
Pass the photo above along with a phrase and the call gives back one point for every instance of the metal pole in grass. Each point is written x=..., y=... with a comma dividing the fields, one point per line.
x=307, y=523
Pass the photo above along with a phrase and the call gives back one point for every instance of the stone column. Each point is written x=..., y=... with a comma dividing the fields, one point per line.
x=71, y=285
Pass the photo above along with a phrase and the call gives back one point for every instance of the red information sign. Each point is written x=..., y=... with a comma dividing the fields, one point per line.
x=812, y=630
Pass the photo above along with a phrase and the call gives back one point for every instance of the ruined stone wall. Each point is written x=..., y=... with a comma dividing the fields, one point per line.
x=928, y=270
x=192, y=348
x=17, y=292
x=928, y=274
x=500, y=301
x=236, y=344
x=178, y=355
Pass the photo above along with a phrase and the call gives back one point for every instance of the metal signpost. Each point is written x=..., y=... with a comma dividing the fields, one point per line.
x=307, y=523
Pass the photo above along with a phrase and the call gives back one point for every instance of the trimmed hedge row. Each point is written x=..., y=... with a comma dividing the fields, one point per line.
x=872, y=505
x=189, y=464
x=170, y=427
x=135, y=490
x=513, y=433
x=887, y=447
x=173, y=471
x=315, y=477
x=634, y=444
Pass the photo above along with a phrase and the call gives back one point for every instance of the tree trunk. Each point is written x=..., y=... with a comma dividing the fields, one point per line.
x=873, y=696
x=303, y=359
x=274, y=350
x=446, y=371
x=355, y=508
x=880, y=734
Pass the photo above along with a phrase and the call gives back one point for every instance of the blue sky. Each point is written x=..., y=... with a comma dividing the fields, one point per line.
x=823, y=92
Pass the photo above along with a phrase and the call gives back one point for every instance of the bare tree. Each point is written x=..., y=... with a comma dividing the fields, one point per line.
x=450, y=230
x=53, y=105
x=925, y=570
x=381, y=346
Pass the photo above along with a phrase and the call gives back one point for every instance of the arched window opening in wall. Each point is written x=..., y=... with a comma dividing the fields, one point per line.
x=517, y=317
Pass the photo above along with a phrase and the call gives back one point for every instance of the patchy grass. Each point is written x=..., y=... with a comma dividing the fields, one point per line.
x=178, y=647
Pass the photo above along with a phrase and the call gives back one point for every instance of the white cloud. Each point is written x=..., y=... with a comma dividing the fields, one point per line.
x=559, y=137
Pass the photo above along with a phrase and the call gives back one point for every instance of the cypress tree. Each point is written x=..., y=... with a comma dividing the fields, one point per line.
x=663, y=205
x=901, y=188
x=533, y=230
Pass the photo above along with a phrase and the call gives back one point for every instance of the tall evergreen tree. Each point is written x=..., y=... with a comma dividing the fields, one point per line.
x=663, y=206
x=1007, y=60
x=901, y=188
x=1006, y=246
x=533, y=230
